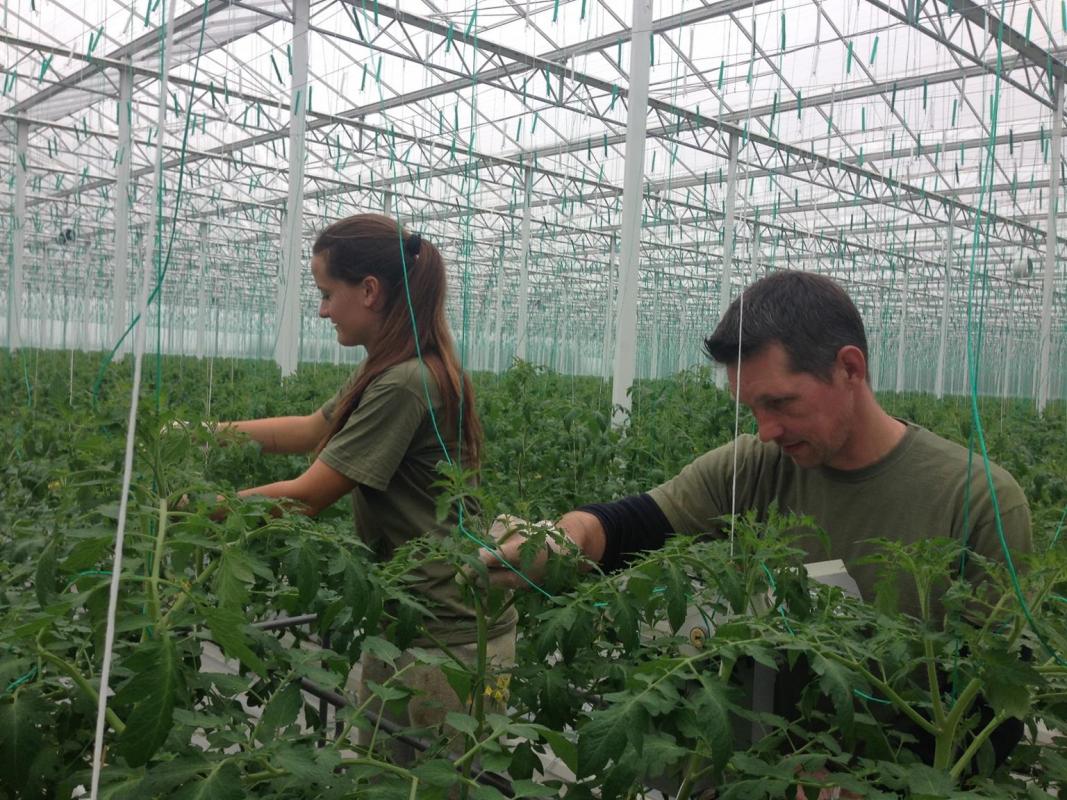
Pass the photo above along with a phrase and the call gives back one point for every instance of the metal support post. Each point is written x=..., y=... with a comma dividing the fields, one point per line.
x=124, y=157
x=609, y=309
x=498, y=312
x=287, y=346
x=728, y=242
x=18, y=239
x=657, y=321
x=754, y=254
x=901, y=331
x=632, y=202
x=1045, y=340
x=524, y=269
x=201, y=296
x=946, y=308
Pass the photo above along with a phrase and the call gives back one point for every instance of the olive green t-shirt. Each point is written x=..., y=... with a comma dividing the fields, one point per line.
x=388, y=446
x=918, y=490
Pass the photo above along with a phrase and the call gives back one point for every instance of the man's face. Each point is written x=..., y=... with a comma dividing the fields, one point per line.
x=810, y=419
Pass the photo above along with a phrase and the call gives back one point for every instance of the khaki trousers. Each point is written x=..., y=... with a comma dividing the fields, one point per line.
x=433, y=697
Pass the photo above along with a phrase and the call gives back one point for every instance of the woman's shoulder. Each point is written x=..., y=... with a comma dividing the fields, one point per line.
x=412, y=375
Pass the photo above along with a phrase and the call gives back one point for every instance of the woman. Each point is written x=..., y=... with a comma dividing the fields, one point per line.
x=380, y=438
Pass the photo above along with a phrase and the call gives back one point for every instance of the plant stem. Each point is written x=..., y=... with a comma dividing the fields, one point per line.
x=690, y=774
x=935, y=684
x=157, y=562
x=478, y=687
x=84, y=685
x=976, y=743
x=887, y=690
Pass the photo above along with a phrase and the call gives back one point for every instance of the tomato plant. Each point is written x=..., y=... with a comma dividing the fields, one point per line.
x=608, y=682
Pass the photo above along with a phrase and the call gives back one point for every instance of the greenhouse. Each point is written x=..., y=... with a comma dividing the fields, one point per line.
x=823, y=556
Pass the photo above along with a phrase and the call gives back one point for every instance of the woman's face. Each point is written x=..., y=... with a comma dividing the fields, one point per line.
x=353, y=308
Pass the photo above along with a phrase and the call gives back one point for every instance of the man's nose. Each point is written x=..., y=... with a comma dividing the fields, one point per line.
x=769, y=428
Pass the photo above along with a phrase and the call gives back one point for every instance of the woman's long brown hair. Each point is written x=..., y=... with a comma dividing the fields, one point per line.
x=371, y=244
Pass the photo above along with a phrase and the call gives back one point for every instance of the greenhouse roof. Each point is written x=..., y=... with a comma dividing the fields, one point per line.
x=865, y=133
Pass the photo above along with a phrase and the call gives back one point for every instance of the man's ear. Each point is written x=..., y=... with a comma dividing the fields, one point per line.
x=851, y=361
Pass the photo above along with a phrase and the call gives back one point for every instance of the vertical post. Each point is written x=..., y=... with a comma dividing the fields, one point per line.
x=287, y=347
x=524, y=268
x=901, y=331
x=609, y=309
x=498, y=312
x=18, y=239
x=655, y=338
x=120, y=280
x=754, y=255
x=875, y=341
x=201, y=296
x=632, y=201
x=946, y=306
x=728, y=241
x=1045, y=340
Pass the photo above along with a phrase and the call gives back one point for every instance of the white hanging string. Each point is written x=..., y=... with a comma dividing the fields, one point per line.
x=131, y=425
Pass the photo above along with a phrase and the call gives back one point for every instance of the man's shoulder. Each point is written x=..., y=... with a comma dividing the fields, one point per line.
x=947, y=459
x=746, y=450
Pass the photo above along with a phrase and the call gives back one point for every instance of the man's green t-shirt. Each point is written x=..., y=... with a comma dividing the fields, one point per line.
x=918, y=490
x=388, y=446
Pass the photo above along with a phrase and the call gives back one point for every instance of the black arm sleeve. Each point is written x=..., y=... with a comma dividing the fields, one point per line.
x=632, y=524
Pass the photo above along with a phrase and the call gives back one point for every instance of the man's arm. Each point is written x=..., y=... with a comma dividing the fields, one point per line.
x=605, y=533
x=283, y=434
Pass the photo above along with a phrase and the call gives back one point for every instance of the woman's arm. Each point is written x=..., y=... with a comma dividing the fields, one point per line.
x=283, y=434
x=319, y=487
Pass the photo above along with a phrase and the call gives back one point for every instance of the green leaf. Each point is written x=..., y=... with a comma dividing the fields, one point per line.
x=149, y=724
x=1007, y=680
x=464, y=723
x=381, y=649
x=526, y=788
x=44, y=582
x=303, y=765
x=307, y=573
x=677, y=590
x=562, y=747
x=86, y=553
x=227, y=629
x=461, y=680
x=222, y=783
x=601, y=739
x=625, y=618
x=233, y=578
x=22, y=722
x=836, y=683
x=711, y=710
x=281, y=711
x=438, y=772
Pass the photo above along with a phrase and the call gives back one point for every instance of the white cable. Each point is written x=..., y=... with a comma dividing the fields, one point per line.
x=131, y=432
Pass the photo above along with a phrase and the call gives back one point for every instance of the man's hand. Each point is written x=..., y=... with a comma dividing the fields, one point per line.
x=513, y=536
x=510, y=533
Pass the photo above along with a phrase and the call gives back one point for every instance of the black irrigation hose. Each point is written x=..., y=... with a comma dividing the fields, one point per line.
x=498, y=782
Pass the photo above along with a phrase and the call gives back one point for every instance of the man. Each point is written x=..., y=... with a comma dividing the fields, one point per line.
x=795, y=352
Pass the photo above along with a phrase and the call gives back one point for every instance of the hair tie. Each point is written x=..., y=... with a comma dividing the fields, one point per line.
x=412, y=245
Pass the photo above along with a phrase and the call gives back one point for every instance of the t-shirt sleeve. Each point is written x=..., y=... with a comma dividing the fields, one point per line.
x=330, y=405
x=371, y=445
x=697, y=496
x=1015, y=522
